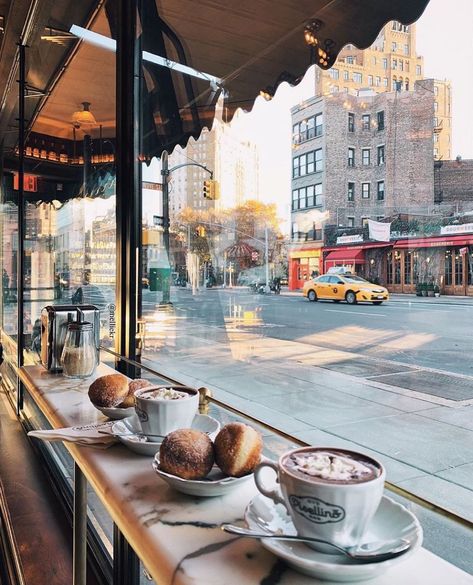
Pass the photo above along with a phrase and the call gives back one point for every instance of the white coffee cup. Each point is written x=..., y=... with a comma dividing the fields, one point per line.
x=336, y=511
x=159, y=416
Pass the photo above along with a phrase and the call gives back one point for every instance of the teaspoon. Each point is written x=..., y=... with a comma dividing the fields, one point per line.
x=368, y=552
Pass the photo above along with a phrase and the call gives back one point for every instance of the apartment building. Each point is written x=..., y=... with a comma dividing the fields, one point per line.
x=389, y=64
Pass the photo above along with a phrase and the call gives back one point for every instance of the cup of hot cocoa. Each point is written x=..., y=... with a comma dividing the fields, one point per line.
x=330, y=493
x=163, y=409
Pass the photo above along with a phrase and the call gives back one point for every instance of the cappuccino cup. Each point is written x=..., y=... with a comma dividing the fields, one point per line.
x=330, y=493
x=163, y=409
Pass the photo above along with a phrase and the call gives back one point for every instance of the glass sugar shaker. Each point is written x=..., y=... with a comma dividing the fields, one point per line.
x=79, y=356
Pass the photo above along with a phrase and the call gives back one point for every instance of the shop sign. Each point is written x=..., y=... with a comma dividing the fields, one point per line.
x=464, y=228
x=350, y=239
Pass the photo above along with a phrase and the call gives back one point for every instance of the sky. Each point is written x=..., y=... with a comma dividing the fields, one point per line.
x=444, y=39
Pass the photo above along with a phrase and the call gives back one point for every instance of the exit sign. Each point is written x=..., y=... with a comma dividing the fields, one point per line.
x=30, y=183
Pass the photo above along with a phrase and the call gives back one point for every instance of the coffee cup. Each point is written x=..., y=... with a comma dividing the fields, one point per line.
x=163, y=409
x=330, y=493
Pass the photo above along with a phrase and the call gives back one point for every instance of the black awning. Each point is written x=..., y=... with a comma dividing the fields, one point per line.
x=251, y=46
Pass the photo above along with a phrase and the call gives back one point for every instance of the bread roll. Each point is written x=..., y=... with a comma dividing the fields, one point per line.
x=108, y=391
x=187, y=453
x=238, y=449
x=133, y=386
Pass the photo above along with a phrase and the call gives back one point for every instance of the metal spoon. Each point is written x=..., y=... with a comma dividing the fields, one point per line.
x=368, y=552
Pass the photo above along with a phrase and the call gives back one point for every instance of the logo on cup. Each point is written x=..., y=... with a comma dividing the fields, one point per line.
x=316, y=510
x=142, y=415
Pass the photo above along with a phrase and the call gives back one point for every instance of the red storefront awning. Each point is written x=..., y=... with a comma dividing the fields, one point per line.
x=435, y=242
x=347, y=256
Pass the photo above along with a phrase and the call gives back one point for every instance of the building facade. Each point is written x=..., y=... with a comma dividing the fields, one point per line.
x=356, y=158
x=389, y=64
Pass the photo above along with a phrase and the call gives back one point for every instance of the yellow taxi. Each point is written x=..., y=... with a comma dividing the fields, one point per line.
x=344, y=287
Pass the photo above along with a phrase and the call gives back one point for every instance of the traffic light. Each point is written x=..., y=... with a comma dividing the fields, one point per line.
x=211, y=189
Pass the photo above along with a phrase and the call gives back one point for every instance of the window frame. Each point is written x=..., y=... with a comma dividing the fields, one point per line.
x=364, y=191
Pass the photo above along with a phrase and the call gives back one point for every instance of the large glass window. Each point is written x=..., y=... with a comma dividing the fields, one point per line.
x=448, y=268
x=305, y=164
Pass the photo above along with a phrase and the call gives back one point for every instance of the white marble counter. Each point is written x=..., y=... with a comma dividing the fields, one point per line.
x=176, y=536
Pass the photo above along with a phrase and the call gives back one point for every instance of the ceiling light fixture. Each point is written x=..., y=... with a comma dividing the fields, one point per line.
x=84, y=117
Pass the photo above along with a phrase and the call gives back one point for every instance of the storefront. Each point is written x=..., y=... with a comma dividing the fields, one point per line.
x=438, y=260
x=303, y=264
x=365, y=260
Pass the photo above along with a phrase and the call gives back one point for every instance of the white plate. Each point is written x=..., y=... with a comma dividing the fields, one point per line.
x=115, y=412
x=215, y=484
x=392, y=520
x=128, y=432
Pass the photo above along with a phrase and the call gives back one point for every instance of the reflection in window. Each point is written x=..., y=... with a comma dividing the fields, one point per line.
x=448, y=268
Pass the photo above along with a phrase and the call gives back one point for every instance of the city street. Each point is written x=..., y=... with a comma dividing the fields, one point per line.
x=395, y=380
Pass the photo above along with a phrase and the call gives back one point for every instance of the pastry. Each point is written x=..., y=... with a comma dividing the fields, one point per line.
x=108, y=391
x=238, y=449
x=133, y=386
x=187, y=453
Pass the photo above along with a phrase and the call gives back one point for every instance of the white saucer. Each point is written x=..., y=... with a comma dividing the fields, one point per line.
x=215, y=484
x=116, y=413
x=392, y=520
x=128, y=431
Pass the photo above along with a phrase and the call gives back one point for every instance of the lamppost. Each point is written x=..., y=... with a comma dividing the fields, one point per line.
x=165, y=172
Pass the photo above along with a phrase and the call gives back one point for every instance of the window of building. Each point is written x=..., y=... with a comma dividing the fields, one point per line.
x=306, y=197
x=394, y=47
x=351, y=122
x=357, y=77
x=385, y=82
x=346, y=75
x=418, y=70
x=380, y=191
x=370, y=80
x=436, y=106
x=334, y=89
x=366, y=121
x=307, y=129
x=351, y=192
x=350, y=221
x=401, y=64
x=374, y=60
x=377, y=81
x=407, y=84
x=448, y=280
x=365, y=190
x=364, y=221
x=406, y=49
x=380, y=155
x=385, y=63
x=380, y=119
x=334, y=73
x=394, y=64
x=436, y=137
x=366, y=156
x=350, y=59
x=436, y=89
x=351, y=157
x=436, y=152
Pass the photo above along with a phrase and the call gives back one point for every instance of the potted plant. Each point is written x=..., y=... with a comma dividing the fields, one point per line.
x=424, y=289
x=436, y=290
x=419, y=289
x=430, y=289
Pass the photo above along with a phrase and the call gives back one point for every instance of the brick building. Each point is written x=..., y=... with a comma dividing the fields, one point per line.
x=454, y=183
x=390, y=63
x=357, y=158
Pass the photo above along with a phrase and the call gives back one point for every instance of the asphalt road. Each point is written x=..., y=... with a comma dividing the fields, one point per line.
x=435, y=336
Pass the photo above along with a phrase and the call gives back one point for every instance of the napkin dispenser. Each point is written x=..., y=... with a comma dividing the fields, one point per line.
x=54, y=321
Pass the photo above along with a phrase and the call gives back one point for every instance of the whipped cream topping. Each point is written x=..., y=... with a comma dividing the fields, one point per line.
x=330, y=466
x=164, y=394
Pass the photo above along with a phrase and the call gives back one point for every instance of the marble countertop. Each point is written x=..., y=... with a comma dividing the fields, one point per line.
x=177, y=537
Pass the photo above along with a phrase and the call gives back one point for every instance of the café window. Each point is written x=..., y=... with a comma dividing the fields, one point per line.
x=380, y=119
x=365, y=190
x=351, y=157
x=380, y=191
x=351, y=191
x=380, y=155
x=366, y=156
x=366, y=121
x=351, y=122
x=408, y=267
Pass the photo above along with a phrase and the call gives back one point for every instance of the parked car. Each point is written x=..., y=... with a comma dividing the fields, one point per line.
x=344, y=287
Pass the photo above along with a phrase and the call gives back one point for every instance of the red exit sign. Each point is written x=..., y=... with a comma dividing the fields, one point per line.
x=30, y=183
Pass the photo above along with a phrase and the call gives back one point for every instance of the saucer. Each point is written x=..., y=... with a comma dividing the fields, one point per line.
x=215, y=484
x=392, y=520
x=128, y=431
x=116, y=413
